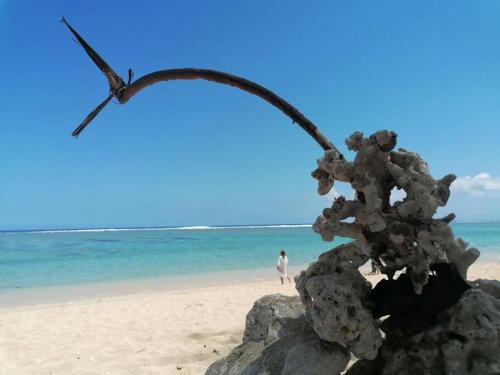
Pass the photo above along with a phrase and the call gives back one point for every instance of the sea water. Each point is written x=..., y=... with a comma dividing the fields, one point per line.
x=67, y=257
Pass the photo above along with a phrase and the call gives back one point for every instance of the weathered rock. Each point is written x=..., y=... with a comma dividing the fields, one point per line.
x=367, y=367
x=334, y=292
x=411, y=313
x=465, y=340
x=315, y=357
x=400, y=235
x=272, y=316
x=492, y=287
x=340, y=315
x=460, y=254
x=352, y=253
x=280, y=341
x=337, y=312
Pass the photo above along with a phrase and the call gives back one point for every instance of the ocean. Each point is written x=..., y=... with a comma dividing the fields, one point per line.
x=67, y=257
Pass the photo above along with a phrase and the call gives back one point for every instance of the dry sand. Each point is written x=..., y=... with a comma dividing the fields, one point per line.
x=152, y=332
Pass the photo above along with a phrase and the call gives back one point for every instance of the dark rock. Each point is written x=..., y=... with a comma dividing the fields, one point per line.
x=366, y=367
x=279, y=341
x=409, y=312
x=464, y=341
x=492, y=287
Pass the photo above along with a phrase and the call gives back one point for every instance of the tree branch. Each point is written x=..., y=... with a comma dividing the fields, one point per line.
x=124, y=92
x=231, y=80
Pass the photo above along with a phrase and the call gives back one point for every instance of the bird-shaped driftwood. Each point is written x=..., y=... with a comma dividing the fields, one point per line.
x=124, y=91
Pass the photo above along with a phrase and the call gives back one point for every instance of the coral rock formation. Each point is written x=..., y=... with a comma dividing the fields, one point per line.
x=399, y=235
x=333, y=291
x=434, y=322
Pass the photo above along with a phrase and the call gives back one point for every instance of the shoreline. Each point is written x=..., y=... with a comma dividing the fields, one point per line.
x=70, y=293
x=161, y=332
x=60, y=294
x=177, y=329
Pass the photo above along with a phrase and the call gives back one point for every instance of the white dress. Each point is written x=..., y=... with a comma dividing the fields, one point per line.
x=282, y=262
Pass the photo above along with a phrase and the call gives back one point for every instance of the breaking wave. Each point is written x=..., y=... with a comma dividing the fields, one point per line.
x=196, y=227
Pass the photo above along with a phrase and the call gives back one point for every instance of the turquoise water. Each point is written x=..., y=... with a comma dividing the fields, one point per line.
x=46, y=258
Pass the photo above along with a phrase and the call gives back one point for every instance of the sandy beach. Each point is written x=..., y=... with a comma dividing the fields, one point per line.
x=164, y=331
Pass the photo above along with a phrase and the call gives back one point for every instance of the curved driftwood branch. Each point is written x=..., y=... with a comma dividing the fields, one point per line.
x=231, y=80
x=123, y=92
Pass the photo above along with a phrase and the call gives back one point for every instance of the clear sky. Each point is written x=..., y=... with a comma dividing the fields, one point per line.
x=198, y=153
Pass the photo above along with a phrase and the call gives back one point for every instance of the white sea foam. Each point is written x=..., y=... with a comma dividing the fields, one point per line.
x=199, y=227
x=196, y=227
x=476, y=221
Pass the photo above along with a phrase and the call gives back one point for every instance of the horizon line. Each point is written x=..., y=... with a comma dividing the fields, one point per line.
x=186, y=227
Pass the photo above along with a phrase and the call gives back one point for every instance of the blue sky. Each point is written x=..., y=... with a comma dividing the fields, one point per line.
x=197, y=153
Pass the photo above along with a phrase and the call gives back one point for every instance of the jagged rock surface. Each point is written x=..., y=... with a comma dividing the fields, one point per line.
x=401, y=234
x=340, y=311
x=492, y=287
x=465, y=340
x=410, y=313
x=279, y=340
x=273, y=316
x=334, y=292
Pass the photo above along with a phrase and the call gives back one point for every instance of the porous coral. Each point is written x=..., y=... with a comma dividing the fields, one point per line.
x=342, y=310
x=397, y=235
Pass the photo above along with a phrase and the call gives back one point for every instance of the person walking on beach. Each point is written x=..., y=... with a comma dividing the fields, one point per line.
x=281, y=267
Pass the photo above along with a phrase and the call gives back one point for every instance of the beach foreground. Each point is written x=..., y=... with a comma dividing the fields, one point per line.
x=152, y=332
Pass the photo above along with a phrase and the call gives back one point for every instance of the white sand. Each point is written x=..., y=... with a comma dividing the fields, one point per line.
x=154, y=332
